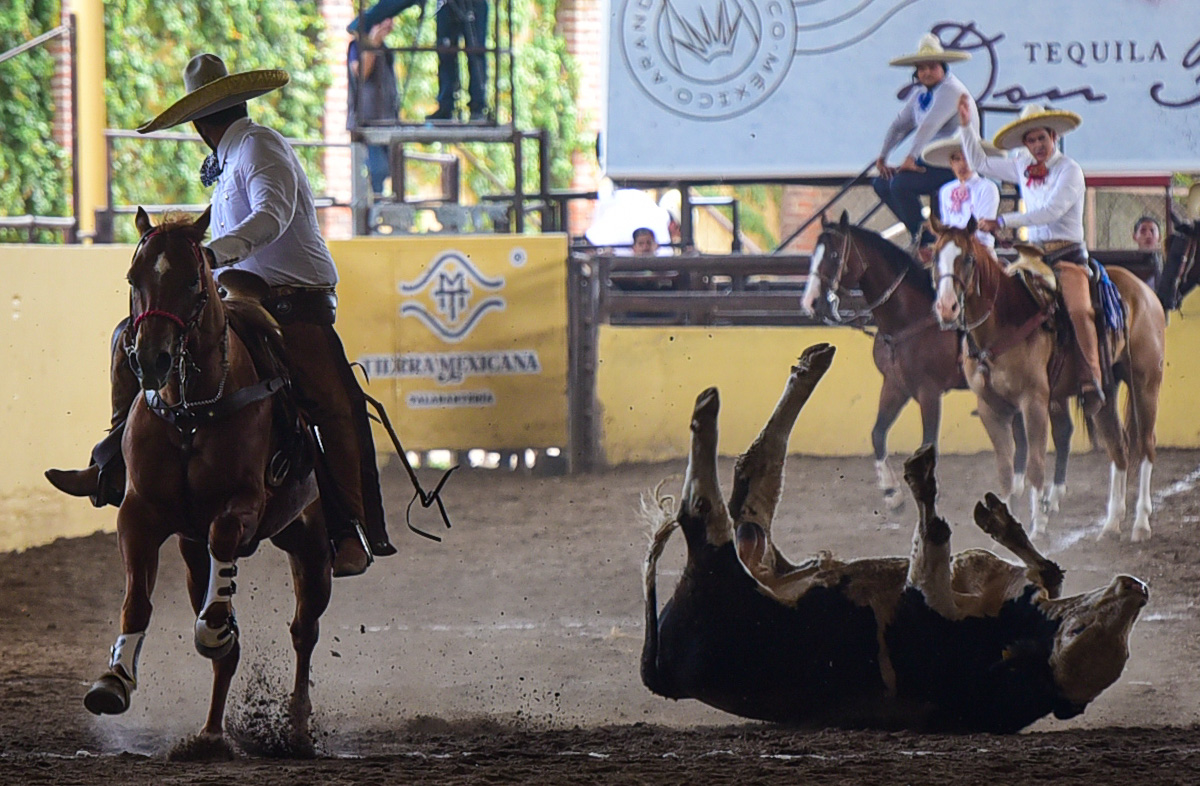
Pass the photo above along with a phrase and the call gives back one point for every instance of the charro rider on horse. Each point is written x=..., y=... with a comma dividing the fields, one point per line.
x=264, y=223
x=1052, y=188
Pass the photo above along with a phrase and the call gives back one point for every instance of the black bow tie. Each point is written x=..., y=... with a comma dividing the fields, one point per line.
x=210, y=170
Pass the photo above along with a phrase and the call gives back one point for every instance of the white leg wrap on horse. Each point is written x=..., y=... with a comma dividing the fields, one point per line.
x=220, y=590
x=124, y=657
x=1117, y=489
x=1145, y=503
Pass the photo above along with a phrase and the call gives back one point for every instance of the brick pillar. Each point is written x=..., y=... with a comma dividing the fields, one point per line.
x=60, y=85
x=579, y=22
x=799, y=204
x=336, y=224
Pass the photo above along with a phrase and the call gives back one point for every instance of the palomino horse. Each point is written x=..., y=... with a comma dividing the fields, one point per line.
x=1016, y=366
x=917, y=359
x=197, y=445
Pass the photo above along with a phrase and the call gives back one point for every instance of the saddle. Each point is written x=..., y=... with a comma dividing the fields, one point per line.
x=243, y=295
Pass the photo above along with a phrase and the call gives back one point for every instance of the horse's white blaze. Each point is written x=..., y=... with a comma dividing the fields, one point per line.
x=1117, y=489
x=161, y=265
x=810, y=288
x=1145, y=503
x=946, y=299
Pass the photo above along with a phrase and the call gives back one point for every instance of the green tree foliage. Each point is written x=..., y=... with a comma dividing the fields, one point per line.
x=34, y=178
x=148, y=44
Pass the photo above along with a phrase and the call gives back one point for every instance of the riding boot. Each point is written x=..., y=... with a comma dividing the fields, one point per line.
x=104, y=479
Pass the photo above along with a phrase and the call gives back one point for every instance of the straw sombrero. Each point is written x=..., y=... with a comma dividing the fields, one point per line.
x=211, y=88
x=1060, y=121
x=1193, y=202
x=930, y=50
x=938, y=153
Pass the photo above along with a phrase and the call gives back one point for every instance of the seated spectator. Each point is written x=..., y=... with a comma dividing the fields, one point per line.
x=968, y=195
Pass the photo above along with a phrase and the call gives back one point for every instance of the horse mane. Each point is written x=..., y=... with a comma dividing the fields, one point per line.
x=176, y=221
x=897, y=258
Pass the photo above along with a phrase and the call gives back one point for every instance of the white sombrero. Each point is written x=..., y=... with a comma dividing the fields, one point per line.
x=930, y=50
x=211, y=88
x=1060, y=121
x=938, y=153
x=1193, y=202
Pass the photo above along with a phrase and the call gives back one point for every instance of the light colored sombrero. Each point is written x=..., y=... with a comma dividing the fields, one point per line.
x=938, y=153
x=211, y=88
x=1193, y=202
x=930, y=50
x=1060, y=121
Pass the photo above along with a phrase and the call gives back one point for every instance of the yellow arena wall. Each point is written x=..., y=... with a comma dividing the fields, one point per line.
x=648, y=421
x=65, y=300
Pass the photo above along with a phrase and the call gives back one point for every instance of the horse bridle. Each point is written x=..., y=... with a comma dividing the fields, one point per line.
x=835, y=286
x=962, y=284
x=182, y=356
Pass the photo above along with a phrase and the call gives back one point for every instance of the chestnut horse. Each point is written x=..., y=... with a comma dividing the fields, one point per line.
x=1018, y=366
x=918, y=360
x=197, y=445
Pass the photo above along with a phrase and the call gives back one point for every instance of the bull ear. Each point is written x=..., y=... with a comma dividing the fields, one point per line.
x=972, y=225
x=142, y=221
x=201, y=223
x=844, y=221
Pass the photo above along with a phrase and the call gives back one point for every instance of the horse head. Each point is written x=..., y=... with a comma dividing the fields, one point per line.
x=171, y=284
x=827, y=269
x=955, y=255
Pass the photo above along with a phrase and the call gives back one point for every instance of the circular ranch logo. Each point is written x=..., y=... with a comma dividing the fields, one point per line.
x=708, y=59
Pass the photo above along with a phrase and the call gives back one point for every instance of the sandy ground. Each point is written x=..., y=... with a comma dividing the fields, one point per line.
x=509, y=652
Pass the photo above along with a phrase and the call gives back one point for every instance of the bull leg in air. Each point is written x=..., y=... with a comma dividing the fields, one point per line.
x=929, y=565
x=200, y=567
x=758, y=473
x=702, y=495
x=993, y=517
x=112, y=693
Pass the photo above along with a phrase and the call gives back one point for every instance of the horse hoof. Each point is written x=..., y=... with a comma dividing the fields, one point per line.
x=894, y=500
x=108, y=695
x=1139, y=535
x=1109, y=533
x=216, y=643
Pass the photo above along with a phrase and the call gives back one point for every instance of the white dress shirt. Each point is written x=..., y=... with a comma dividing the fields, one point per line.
x=1053, y=207
x=263, y=217
x=938, y=120
x=977, y=197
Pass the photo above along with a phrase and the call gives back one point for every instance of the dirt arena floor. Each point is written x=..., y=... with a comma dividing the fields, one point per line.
x=509, y=652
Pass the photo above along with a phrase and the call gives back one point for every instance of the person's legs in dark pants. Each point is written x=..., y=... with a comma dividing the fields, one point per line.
x=902, y=194
x=377, y=167
x=477, y=70
x=449, y=30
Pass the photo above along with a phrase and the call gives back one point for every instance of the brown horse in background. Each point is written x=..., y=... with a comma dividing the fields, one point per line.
x=1017, y=365
x=197, y=445
x=918, y=360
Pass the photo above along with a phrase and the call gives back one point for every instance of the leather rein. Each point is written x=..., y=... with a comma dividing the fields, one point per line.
x=187, y=416
x=892, y=339
x=1006, y=340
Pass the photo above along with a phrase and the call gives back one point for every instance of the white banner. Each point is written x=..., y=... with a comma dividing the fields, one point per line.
x=768, y=88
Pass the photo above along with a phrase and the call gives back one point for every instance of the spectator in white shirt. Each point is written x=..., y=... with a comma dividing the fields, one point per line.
x=928, y=114
x=968, y=194
x=1052, y=188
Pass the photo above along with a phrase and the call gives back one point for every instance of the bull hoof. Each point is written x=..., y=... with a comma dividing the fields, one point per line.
x=919, y=473
x=993, y=517
x=216, y=643
x=818, y=357
x=108, y=695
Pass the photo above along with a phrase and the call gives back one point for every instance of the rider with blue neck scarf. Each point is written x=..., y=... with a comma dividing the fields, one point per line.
x=929, y=114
